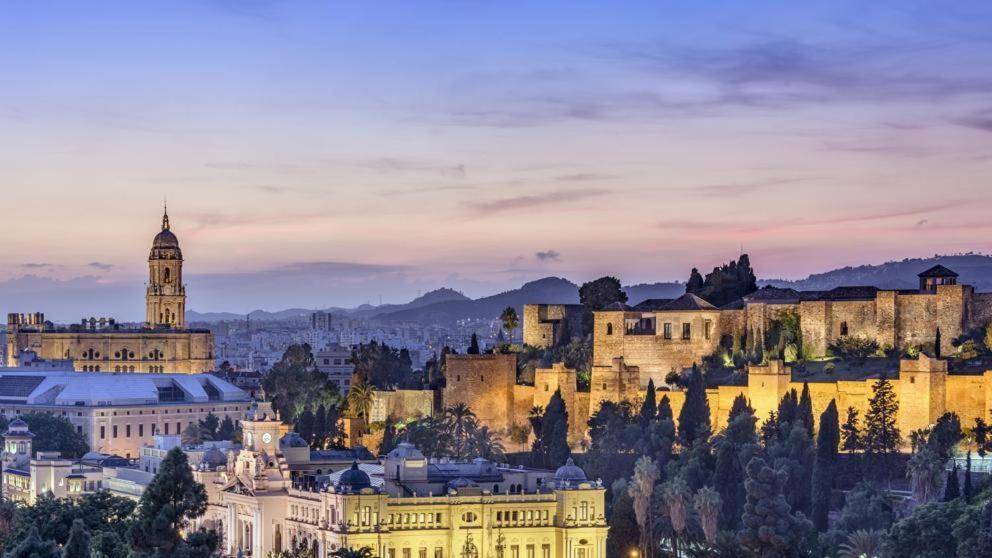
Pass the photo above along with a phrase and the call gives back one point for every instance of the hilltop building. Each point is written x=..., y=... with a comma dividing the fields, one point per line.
x=163, y=343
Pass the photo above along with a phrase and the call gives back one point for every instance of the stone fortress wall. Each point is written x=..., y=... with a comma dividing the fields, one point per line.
x=547, y=325
x=631, y=346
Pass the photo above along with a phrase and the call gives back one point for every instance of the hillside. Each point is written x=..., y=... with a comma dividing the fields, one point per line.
x=974, y=270
x=549, y=289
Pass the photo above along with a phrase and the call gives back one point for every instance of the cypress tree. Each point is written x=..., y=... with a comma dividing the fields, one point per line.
x=78, y=545
x=788, y=409
x=739, y=406
x=665, y=409
x=823, y=469
x=305, y=425
x=649, y=409
x=694, y=418
x=738, y=442
x=473, y=346
x=388, y=438
x=952, y=489
x=319, y=426
x=967, y=478
x=551, y=442
x=805, y=410
x=936, y=344
x=32, y=546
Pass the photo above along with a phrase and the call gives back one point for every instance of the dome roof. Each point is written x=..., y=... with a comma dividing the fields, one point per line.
x=569, y=473
x=293, y=440
x=214, y=457
x=405, y=450
x=18, y=427
x=165, y=239
x=354, y=479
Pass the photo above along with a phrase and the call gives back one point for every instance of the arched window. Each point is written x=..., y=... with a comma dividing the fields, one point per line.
x=609, y=329
x=168, y=275
x=843, y=329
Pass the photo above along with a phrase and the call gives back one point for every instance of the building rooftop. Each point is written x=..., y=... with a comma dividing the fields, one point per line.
x=105, y=389
x=938, y=271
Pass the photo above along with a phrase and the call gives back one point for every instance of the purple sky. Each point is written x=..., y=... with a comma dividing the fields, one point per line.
x=329, y=153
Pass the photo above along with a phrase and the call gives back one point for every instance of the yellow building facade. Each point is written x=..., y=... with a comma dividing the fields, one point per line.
x=406, y=507
x=162, y=344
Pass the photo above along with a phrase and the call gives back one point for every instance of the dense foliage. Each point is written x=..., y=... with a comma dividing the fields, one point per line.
x=52, y=433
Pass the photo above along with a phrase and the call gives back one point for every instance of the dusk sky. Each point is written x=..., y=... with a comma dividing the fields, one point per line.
x=329, y=153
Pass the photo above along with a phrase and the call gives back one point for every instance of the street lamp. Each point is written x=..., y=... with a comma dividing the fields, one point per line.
x=634, y=553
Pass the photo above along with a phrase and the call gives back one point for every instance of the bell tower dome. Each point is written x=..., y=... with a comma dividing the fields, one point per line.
x=165, y=298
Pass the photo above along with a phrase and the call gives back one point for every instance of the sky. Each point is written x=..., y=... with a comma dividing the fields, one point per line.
x=318, y=153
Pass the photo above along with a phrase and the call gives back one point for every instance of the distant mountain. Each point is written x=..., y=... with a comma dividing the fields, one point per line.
x=644, y=291
x=433, y=297
x=549, y=289
x=974, y=269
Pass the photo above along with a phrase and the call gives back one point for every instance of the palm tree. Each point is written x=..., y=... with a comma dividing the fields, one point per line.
x=677, y=496
x=641, y=488
x=487, y=444
x=925, y=470
x=463, y=423
x=510, y=321
x=861, y=544
x=364, y=552
x=360, y=398
x=707, y=503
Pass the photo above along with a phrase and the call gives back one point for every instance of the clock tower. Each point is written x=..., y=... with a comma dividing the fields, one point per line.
x=261, y=430
x=165, y=298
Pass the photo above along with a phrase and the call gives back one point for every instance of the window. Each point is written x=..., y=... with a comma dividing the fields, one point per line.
x=686, y=331
x=141, y=430
x=668, y=330
x=843, y=329
x=127, y=430
x=166, y=429
x=707, y=329
x=609, y=329
x=103, y=432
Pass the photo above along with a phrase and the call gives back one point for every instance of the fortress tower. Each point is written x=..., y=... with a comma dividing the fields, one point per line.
x=165, y=299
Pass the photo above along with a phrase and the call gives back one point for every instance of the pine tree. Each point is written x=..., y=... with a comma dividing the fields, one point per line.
x=805, y=410
x=209, y=426
x=952, y=489
x=665, y=409
x=768, y=527
x=694, y=418
x=851, y=439
x=171, y=499
x=32, y=546
x=823, y=470
x=473, y=346
x=649, y=409
x=78, y=545
x=226, y=429
x=881, y=437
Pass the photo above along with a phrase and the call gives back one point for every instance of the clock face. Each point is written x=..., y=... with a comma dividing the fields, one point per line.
x=266, y=438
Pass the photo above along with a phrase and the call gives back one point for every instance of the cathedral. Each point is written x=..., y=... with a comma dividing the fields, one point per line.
x=162, y=344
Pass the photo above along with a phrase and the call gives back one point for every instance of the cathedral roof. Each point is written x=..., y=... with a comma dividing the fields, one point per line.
x=165, y=238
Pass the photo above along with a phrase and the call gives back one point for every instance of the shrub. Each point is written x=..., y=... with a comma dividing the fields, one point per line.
x=856, y=349
x=968, y=350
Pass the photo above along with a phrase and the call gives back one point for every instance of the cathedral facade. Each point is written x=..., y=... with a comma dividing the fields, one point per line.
x=162, y=344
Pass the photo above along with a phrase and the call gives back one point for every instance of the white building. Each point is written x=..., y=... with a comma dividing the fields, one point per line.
x=120, y=413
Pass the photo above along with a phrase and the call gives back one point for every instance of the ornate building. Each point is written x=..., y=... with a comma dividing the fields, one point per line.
x=405, y=507
x=162, y=344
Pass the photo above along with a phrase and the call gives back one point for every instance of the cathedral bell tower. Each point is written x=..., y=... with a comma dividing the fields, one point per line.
x=165, y=299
